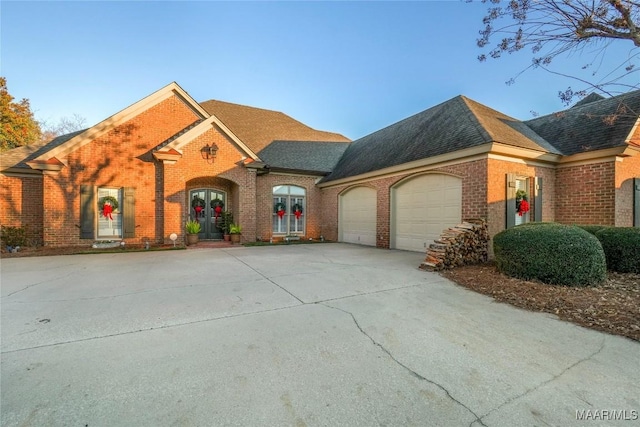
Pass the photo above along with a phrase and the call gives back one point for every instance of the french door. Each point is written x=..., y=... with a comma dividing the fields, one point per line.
x=202, y=207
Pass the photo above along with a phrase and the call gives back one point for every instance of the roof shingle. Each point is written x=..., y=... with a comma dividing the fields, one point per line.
x=600, y=124
x=454, y=125
x=303, y=156
x=258, y=128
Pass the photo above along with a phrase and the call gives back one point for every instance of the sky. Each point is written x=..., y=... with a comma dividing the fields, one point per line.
x=346, y=67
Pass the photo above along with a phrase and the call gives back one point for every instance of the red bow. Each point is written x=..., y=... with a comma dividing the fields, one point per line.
x=198, y=210
x=298, y=213
x=281, y=213
x=218, y=210
x=106, y=211
x=524, y=207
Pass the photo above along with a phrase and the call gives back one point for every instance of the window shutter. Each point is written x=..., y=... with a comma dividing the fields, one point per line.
x=87, y=212
x=129, y=213
x=511, y=200
x=636, y=202
x=537, y=200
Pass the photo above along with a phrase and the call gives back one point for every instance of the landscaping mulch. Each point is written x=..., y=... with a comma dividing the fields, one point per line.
x=612, y=307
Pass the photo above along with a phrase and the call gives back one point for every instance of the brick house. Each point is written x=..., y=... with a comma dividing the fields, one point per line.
x=401, y=186
x=168, y=158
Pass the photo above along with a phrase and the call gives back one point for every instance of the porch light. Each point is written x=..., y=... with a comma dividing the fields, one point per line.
x=208, y=152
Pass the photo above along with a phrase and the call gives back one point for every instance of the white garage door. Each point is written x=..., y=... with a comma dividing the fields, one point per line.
x=422, y=208
x=358, y=216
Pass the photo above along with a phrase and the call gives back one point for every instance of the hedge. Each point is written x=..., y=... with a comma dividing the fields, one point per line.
x=621, y=247
x=551, y=253
x=593, y=229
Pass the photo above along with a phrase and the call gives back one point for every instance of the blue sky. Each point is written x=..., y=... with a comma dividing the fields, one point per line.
x=348, y=67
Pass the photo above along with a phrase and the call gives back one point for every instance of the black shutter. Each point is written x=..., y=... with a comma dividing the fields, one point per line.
x=537, y=201
x=129, y=213
x=636, y=202
x=87, y=212
x=511, y=200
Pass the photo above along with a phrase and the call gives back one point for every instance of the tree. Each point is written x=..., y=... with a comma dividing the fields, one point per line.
x=64, y=126
x=553, y=28
x=17, y=125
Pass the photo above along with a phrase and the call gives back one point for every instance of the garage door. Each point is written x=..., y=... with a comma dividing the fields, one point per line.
x=422, y=208
x=358, y=216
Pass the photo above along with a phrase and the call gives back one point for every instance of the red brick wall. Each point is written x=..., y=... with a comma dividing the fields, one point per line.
x=586, y=194
x=474, y=190
x=497, y=191
x=21, y=205
x=192, y=171
x=483, y=195
x=119, y=158
x=264, y=204
x=625, y=170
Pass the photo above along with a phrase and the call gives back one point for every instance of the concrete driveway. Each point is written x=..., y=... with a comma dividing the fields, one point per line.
x=304, y=335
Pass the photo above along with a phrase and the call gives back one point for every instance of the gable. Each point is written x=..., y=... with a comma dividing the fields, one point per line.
x=131, y=124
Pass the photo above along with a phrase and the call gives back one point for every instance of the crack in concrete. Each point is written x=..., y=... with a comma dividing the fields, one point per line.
x=39, y=283
x=542, y=384
x=176, y=325
x=411, y=371
x=142, y=291
x=266, y=278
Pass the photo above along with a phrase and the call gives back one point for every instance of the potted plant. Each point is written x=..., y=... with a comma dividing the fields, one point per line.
x=235, y=230
x=193, y=228
x=225, y=225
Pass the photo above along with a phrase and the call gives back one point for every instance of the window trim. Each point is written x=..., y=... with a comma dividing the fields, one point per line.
x=289, y=200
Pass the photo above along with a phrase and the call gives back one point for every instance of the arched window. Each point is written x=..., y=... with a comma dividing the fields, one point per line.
x=289, y=209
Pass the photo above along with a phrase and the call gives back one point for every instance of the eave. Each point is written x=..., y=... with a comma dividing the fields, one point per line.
x=50, y=166
x=483, y=151
x=168, y=157
x=22, y=172
x=596, y=156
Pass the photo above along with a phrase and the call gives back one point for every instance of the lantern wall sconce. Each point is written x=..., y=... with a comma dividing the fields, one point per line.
x=209, y=152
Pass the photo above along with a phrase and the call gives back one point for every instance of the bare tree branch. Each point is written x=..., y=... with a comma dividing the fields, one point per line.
x=551, y=28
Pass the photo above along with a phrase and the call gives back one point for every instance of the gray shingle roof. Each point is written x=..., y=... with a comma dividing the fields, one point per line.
x=453, y=125
x=586, y=128
x=303, y=156
x=588, y=99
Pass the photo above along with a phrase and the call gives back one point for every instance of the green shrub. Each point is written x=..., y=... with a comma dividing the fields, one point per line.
x=14, y=236
x=592, y=229
x=622, y=248
x=193, y=226
x=552, y=253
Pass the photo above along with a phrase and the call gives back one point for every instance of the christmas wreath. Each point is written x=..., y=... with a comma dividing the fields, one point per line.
x=522, y=202
x=280, y=209
x=297, y=210
x=108, y=205
x=198, y=205
x=218, y=206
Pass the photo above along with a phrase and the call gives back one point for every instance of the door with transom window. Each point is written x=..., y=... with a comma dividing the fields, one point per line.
x=206, y=206
x=289, y=210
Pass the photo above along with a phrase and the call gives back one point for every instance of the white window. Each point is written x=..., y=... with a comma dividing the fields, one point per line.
x=289, y=209
x=109, y=213
x=522, y=186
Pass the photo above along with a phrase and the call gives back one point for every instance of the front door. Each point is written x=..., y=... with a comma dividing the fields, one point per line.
x=202, y=205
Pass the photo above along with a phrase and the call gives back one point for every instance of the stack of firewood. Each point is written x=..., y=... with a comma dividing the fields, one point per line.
x=466, y=243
